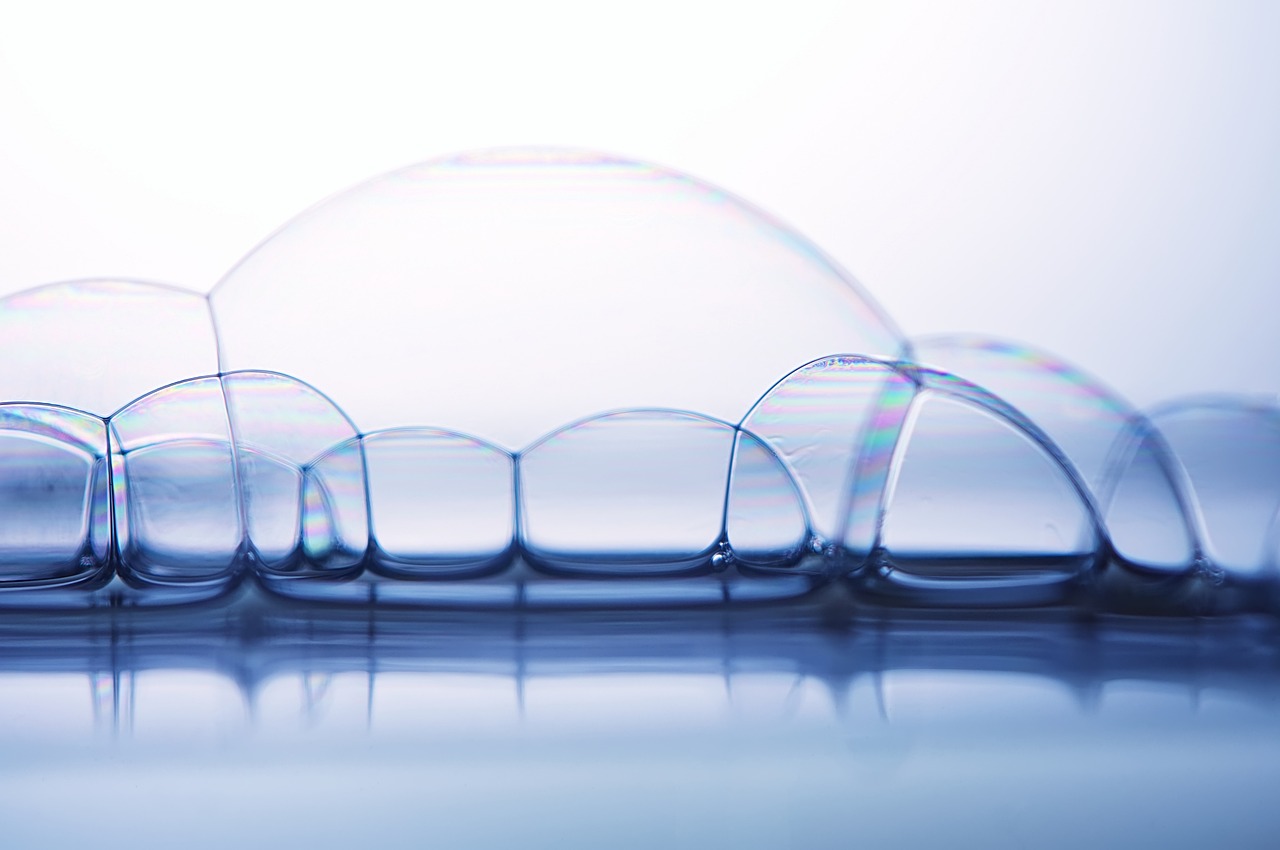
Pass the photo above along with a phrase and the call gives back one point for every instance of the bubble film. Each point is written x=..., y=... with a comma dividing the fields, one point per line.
x=978, y=509
x=96, y=345
x=545, y=379
x=178, y=518
x=302, y=471
x=1112, y=447
x=1228, y=453
x=507, y=294
x=54, y=521
x=442, y=504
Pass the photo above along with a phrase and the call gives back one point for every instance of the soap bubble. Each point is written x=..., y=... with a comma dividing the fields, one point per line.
x=1113, y=447
x=303, y=477
x=508, y=295
x=833, y=422
x=981, y=509
x=539, y=378
x=96, y=345
x=92, y=415
x=640, y=492
x=505, y=294
x=54, y=508
x=442, y=504
x=1147, y=508
x=1229, y=451
x=765, y=521
x=178, y=502
x=929, y=489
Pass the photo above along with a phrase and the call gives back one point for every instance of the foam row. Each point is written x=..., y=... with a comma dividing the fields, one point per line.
x=911, y=484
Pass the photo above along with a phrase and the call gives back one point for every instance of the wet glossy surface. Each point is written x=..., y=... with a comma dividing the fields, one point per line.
x=256, y=723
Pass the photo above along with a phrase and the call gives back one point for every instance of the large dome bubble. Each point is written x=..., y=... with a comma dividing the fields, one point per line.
x=532, y=378
x=504, y=294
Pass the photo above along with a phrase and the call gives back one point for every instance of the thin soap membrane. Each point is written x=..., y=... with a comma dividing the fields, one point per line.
x=549, y=379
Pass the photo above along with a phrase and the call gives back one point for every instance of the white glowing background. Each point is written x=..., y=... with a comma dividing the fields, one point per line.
x=1099, y=179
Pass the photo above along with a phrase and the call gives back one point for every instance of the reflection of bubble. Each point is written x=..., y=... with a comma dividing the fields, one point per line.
x=545, y=303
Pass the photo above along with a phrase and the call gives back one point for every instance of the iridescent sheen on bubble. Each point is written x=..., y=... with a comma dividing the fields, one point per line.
x=979, y=509
x=1117, y=453
x=973, y=505
x=54, y=501
x=598, y=325
x=505, y=294
x=830, y=422
x=176, y=485
x=96, y=345
x=302, y=473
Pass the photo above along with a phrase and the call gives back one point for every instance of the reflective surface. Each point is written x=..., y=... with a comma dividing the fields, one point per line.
x=252, y=722
x=808, y=602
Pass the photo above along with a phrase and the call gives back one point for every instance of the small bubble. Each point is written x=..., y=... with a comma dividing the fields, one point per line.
x=722, y=558
x=625, y=493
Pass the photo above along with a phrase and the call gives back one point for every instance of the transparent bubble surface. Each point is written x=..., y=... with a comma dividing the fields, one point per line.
x=1229, y=451
x=822, y=420
x=442, y=504
x=1146, y=506
x=506, y=294
x=1082, y=417
x=545, y=379
x=639, y=492
x=977, y=507
x=302, y=474
x=765, y=521
x=54, y=523
x=177, y=486
x=96, y=345
x=1123, y=460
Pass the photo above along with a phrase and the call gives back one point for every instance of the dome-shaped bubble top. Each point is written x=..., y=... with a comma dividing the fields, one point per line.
x=505, y=294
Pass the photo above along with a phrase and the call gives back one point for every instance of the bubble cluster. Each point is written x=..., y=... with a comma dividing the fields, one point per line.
x=534, y=378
